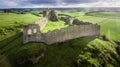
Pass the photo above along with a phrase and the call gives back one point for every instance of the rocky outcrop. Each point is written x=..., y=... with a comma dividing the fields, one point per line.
x=36, y=59
x=30, y=54
x=30, y=59
x=33, y=59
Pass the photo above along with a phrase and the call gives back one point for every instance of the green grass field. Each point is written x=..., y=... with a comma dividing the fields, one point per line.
x=81, y=52
x=11, y=18
x=109, y=26
x=10, y=22
x=109, y=22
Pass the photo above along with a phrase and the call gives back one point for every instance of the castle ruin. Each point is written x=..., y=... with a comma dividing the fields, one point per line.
x=32, y=32
x=50, y=14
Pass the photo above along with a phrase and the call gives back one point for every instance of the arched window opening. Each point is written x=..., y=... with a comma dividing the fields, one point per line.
x=29, y=31
x=35, y=31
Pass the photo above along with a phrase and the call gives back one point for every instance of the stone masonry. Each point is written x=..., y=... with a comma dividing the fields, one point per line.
x=61, y=35
x=50, y=14
x=32, y=32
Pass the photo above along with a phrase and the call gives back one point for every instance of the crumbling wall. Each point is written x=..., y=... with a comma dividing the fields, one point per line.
x=53, y=16
x=71, y=32
x=67, y=20
x=42, y=22
x=31, y=32
x=46, y=13
x=61, y=35
x=73, y=21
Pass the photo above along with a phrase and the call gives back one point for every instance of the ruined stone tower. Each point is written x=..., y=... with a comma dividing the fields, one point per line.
x=53, y=16
x=50, y=15
x=46, y=13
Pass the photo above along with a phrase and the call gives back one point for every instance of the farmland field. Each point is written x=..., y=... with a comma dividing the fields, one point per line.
x=82, y=52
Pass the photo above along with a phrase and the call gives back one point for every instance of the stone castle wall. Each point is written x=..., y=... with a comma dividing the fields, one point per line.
x=71, y=32
x=42, y=22
x=61, y=35
x=32, y=32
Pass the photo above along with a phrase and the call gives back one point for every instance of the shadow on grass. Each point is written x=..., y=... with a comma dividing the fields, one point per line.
x=4, y=43
x=63, y=54
x=4, y=62
x=5, y=48
x=81, y=42
x=56, y=55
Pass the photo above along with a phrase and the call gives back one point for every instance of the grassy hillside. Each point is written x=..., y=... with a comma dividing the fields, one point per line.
x=11, y=23
x=11, y=18
x=81, y=52
x=68, y=54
